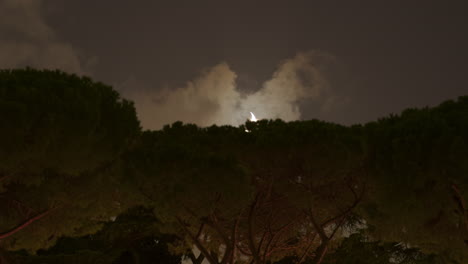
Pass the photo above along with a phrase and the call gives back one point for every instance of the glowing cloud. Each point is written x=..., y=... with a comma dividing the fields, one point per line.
x=213, y=97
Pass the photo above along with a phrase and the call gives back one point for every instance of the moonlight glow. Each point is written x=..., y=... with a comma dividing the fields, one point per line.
x=252, y=117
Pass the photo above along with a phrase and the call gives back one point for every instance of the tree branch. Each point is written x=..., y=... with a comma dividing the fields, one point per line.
x=243, y=250
x=461, y=204
x=302, y=259
x=213, y=222
x=250, y=230
x=196, y=260
x=317, y=226
x=260, y=244
x=230, y=248
x=357, y=200
x=24, y=225
x=320, y=253
x=200, y=230
x=195, y=240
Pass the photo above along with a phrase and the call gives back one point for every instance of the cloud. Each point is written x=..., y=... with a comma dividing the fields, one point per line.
x=213, y=97
x=296, y=79
x=27, y=40
x=209, y=99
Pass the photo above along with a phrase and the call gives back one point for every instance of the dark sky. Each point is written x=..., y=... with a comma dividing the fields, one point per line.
x=214, y=61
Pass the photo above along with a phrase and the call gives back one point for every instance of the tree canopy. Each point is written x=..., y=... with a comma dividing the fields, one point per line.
x=61, y=140
x=418, y=163
x=73, y=158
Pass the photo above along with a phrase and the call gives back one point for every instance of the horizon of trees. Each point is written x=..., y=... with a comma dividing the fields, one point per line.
x=77, y=172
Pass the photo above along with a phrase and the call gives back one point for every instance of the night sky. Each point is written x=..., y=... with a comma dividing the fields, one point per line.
x=214, y=61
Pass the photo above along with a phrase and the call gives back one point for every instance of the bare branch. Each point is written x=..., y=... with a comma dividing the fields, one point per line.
x=197, y=242
x=461, y=204
x=213, y=222
x=320, y=253
x=251, y=241
x=200, y=230
x=230, y=248
x=304, y=254
x=24, y=225
x=317, y=226
x=196, y=260
x=243, y=250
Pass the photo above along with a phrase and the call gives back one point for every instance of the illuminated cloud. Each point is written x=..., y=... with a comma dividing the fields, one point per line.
x=213, y=97
x=296, y=79
x=209, y=99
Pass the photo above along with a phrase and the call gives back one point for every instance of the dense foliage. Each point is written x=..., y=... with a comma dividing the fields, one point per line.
x=61, y=139
x=132, y=237
x=419, y=168
x=73, y=158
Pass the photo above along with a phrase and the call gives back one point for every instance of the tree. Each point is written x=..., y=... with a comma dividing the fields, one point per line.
x=73, y=158
x=234, y=195
x=196, y=189
x=418, y=162
x=61, y=139
x=315, y=171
